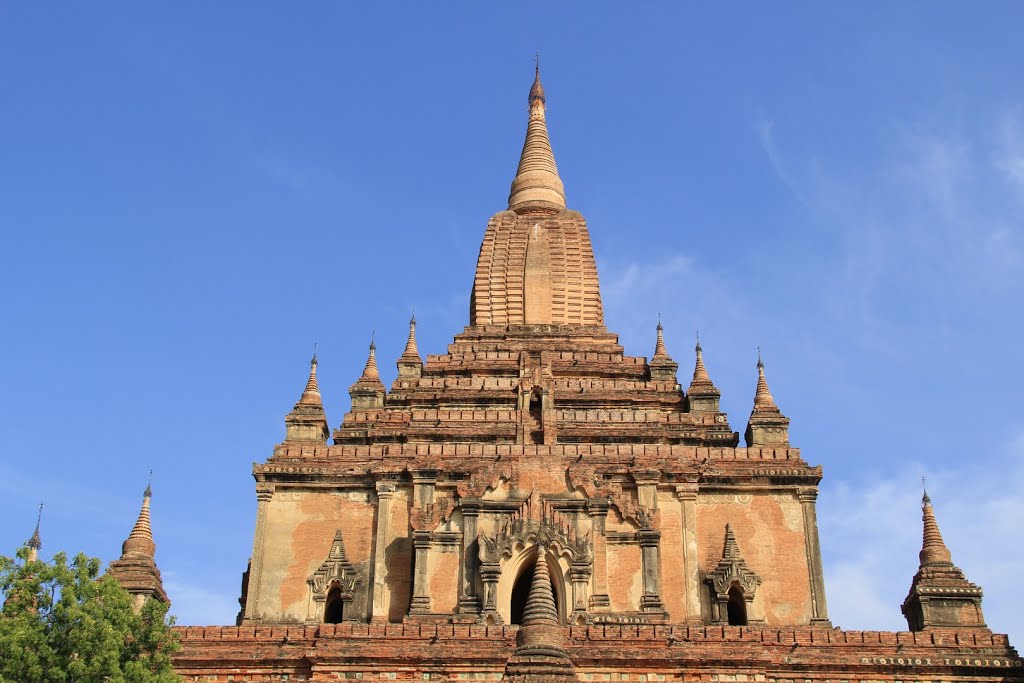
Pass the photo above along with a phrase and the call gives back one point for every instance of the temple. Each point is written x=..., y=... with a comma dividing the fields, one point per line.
x=536, y=505
x=136, y=569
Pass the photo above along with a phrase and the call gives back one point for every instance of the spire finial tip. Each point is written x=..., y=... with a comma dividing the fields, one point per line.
x=34, y=543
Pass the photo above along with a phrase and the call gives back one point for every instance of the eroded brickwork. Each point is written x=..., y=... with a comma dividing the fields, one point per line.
x=461, y=652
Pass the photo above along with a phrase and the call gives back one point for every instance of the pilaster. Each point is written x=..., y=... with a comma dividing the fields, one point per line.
x=378, y=608
x=649, y=542
x=598, y=509
x=687, y=495
x=420, y=593
x=264, y=493
x=579, y=577
x=819, y=608
x=469, y=601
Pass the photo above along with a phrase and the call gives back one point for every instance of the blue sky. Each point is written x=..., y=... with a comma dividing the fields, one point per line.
x=192, y=194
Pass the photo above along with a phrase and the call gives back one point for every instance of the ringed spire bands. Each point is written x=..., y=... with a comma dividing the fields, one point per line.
x=537, y=182
x=536, y=263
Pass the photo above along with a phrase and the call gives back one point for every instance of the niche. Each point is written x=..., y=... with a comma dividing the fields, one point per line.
x=737, y=606
x=334, y=609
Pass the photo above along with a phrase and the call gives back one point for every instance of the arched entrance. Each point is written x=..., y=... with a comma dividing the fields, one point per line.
x=736, y=606
x=334, y=608
x=521, y=592
x=514, y=585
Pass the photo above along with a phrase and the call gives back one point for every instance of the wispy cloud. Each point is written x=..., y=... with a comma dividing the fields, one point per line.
x=765, y=129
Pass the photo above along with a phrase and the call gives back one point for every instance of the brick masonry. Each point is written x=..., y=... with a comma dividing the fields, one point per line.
x=674, y=553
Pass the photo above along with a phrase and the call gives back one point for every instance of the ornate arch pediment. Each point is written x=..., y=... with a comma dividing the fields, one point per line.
x=336, y=568
x=500, y=553
x=731, y=570
x=526, y=532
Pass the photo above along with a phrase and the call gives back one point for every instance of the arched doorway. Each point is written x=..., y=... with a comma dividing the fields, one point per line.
x=737, y=606
x=521, y=592
x=334, y=608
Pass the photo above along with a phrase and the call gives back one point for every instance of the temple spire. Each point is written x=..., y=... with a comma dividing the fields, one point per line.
x=140, y=540
x=767, y=426
x=136, y=569
x=659, y=344
x=370, y=372
x=662, y=367
x=933, y=548
x=33, y=544
x=411, y=351
x=702, y=394
x=409, y=363
x=308, y=421
x=700, y=373
x=940, y=595
x=368, y=391
x=763, y=399
x=311, y=394
x=537, y=182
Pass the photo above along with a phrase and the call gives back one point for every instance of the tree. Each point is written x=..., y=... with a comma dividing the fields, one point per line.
x=63, y=623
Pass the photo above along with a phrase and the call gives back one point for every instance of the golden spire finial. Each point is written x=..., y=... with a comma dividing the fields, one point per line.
x=537, y=182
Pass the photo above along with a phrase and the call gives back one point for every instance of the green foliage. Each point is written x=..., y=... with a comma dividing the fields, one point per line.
x=61, y=624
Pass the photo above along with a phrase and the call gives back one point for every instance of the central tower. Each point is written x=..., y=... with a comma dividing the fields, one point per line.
x=536, y=264
x=534, y=446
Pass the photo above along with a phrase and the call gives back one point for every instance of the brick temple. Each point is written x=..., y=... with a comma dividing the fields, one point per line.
x=536, y=505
